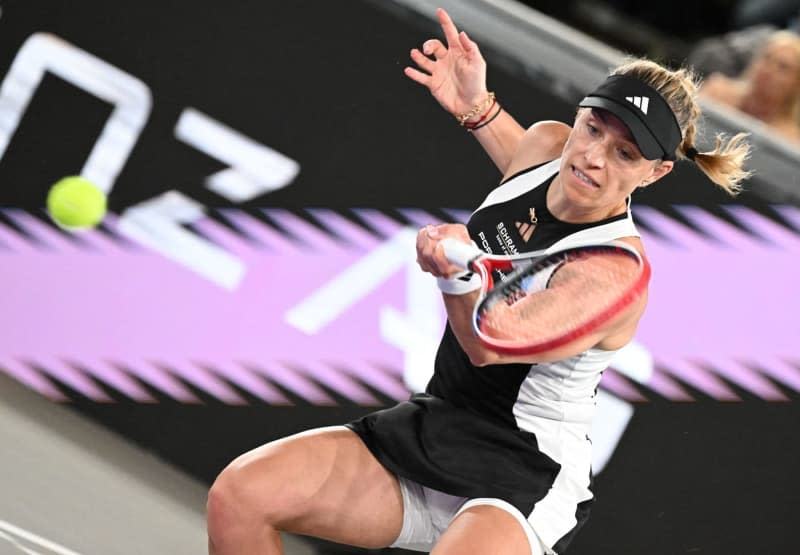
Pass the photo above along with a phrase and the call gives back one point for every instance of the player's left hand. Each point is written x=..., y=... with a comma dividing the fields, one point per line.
x=455, y=72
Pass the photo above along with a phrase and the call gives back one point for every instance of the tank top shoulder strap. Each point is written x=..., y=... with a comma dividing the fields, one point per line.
x=602, y=233
x=521, y=182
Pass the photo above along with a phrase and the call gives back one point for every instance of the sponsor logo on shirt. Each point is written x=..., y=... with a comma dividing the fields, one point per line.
x=526, y=229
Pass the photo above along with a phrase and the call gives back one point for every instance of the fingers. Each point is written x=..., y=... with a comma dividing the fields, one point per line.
x=431, y=47
x=425, y=250
x=418, y=76
x=469, y=46
x=422, y=61
x=430, y=255
x=435, y=48
x=449, y=28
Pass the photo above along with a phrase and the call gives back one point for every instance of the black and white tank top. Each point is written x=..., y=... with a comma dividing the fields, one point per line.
x=514, y=218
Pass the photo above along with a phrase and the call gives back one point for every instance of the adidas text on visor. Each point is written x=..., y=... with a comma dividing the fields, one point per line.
x=643, y=110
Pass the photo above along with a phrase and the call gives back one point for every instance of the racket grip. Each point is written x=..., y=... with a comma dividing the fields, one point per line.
x=460, y=253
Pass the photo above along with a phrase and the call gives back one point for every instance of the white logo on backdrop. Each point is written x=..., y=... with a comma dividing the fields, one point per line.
x=156, y=223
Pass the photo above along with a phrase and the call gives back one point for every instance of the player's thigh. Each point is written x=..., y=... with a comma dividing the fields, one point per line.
x=323, y=482
x=484, y=529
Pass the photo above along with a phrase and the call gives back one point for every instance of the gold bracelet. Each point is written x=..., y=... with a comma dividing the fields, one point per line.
x=477, y=109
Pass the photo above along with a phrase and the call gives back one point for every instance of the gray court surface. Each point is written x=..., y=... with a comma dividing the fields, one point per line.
x=71, y=487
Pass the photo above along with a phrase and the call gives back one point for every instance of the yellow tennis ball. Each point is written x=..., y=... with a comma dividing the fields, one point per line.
x=76, y=203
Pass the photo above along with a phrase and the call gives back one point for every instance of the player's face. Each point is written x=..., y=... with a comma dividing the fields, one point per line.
x=601, y=164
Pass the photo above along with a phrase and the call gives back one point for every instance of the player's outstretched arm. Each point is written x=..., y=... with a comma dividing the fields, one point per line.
x=455, y=74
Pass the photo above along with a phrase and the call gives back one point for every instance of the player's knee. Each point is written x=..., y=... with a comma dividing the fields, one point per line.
x=250, y=493
x=231, y=507
x=223, y=506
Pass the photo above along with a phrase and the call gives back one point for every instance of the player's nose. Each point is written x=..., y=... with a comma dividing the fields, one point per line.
x=595, y=154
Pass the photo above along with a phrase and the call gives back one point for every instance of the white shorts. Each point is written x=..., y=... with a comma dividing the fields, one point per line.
x=427, y=513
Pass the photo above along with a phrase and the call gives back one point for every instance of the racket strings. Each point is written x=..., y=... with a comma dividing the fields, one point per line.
x=550, y=300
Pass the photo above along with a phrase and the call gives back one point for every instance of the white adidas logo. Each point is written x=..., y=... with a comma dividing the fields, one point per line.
x=640, y=102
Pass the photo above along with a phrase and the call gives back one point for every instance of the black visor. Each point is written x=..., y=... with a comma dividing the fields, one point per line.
x=643, y=110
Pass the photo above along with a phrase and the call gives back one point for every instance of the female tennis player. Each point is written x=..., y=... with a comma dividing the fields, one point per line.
x=495, y=456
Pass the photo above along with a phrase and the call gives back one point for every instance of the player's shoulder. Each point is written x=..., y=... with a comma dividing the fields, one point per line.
x=543, y=141
x=549, y=127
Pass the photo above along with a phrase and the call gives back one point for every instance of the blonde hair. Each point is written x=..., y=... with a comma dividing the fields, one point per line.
x=725, y=164
x=781, y=38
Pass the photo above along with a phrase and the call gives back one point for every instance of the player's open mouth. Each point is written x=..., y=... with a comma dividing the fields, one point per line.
x=583, y=177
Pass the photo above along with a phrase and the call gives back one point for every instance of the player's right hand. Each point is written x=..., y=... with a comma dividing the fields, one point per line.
x=430, y=255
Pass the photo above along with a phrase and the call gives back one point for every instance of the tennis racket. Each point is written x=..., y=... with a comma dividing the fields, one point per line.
x=548, y=299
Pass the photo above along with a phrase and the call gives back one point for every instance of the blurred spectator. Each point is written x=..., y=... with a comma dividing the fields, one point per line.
x=730, y=53
x=747, y=13
x=768, y=88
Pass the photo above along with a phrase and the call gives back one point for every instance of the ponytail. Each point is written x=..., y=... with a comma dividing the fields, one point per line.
x=725, y=164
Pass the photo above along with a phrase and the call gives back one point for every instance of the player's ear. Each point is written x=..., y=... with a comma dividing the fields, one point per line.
x=661, y=168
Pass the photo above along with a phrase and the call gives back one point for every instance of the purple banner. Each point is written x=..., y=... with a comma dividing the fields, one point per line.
x=334, y=303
